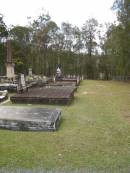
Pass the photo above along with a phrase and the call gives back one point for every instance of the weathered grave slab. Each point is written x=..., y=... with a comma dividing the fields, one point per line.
x=53, y=95
x=62, y=83
x=8, y=86
x=29, y=119
x=74, y=80
x=3, y=95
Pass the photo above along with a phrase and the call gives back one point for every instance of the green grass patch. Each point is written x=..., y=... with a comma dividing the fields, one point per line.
x=94, y=134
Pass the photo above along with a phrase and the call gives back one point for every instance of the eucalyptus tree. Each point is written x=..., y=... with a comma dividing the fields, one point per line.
x=52, y=35
x=110, y=63
x=67, y=31
x=123, y=11
x=21, y=46
x=3, y=28
x=77, y=40
x=77, y=49
x=45, y=36
x=3, y=36
x=40, y=31
x=89, y=31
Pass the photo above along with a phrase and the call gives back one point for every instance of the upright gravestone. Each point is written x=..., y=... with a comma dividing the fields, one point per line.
x=9, y=64
x=21, y=83
x=30, y=71
x=22, y=80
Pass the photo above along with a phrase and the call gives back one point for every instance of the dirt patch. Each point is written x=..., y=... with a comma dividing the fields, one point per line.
x=88, y=93
x=127, y=115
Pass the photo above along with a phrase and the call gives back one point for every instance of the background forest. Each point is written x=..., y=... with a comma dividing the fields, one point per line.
x=87, y=51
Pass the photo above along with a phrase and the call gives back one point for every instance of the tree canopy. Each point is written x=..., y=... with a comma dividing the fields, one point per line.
x=42, y=45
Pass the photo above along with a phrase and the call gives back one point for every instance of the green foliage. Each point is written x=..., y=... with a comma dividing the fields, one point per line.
x=118, y=40
x=21, y=47
x=3, y=35
x=22, y=35
x=89, y=35
x=3, y=28
x=43, y=45
x=2, y=58
x=116, y=52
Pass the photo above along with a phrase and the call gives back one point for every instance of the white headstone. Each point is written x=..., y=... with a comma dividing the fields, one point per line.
x=10, y=70
x=22, y=78
x=30, y=71
x=9, y=64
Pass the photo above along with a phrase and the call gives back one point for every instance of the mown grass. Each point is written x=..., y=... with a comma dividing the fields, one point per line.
x=94, y=134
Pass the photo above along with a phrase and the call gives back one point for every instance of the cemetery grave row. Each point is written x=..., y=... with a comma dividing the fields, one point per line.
x=40, y=92
x=34, y=90
x=56, y=92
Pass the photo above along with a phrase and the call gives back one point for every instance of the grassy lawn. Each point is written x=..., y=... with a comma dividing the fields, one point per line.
x=94, y=134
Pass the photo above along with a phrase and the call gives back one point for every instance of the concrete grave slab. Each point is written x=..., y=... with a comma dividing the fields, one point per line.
x=45, y=95
x=29, y=119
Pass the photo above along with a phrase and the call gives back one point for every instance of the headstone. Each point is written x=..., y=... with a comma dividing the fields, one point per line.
x=68, y=75
x=9, y=64
x=22, y=80
x=101, y=76
x=54, y=79
x=30, y=71
x=21, y=83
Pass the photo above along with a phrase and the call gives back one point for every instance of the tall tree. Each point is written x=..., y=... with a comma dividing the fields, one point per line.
x=3, y=28
x=3, y=36
x=44, y=40
x=123, y=11
x=21, y=40
x=67, y=30
x=77, y=41
x=89, y=30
